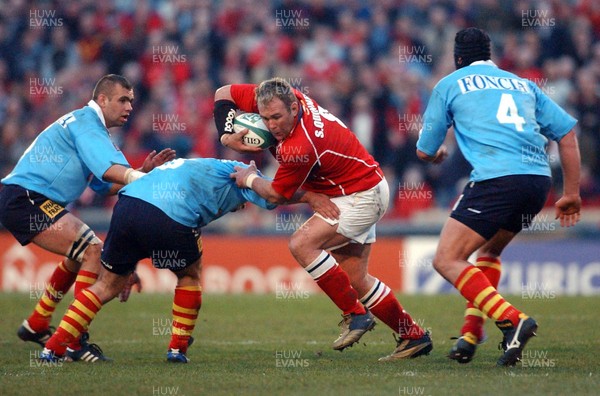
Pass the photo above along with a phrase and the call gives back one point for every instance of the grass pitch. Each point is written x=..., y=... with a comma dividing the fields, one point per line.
x=264, y=345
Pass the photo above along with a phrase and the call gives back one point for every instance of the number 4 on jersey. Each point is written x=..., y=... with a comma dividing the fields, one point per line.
x=508, y=113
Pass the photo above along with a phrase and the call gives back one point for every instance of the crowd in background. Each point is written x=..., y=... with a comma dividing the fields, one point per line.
x=371, y=63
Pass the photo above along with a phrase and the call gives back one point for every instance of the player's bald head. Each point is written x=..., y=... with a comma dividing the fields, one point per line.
x=107, y=84
x=275, y=88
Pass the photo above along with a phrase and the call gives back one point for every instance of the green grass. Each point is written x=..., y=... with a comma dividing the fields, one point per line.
x=239, y=339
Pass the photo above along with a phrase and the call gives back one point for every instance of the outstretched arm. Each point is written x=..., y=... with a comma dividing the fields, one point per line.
x=248, y=178
x=568, y=207
x=120, y=175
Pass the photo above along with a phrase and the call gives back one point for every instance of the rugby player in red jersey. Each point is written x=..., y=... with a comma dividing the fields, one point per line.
x=317, y=152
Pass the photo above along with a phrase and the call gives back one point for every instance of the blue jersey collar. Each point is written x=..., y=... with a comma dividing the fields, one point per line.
x=98, y=111
x=483, y=62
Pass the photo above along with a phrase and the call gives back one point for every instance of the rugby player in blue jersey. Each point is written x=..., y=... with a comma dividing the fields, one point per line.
x=160, y=217
x=502, y=125
x=70, y=154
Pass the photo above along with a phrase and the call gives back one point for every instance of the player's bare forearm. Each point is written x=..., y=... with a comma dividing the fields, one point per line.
x=264, y=188
x=115, y=188
x=571, y=163
x=121, y=174
x=247, y=177
x=568, y=207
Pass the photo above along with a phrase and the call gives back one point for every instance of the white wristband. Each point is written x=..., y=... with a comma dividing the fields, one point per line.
x=132, y=175
x=250, y=179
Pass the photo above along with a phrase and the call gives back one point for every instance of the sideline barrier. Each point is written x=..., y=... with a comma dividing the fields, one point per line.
x=231, y=264
x=533, y=269
x=252, y=264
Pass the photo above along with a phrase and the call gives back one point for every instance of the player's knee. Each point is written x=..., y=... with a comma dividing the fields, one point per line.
x=72, y=265
x=92, y=253
x=361, y=283
x=108, y=285
x=440, y=263
x=294, y=245
x=86, y=246
x=190, y=274
x=106, y=291
x=489, y=251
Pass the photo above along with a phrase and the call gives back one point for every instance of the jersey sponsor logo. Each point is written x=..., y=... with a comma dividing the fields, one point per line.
x=51, y=208
x=478, y=82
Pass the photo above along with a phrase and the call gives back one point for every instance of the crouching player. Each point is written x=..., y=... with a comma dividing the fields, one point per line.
x=159, y=213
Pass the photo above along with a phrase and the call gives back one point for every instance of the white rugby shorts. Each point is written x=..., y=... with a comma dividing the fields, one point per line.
x=359, y=212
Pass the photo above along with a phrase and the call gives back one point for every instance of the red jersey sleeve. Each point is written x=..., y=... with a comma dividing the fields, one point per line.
x=296, y=163
x=244, y=98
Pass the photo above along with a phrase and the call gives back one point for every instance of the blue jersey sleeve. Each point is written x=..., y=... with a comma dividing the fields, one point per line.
x=97, y=151
x=99, y=186
x=554, y=122
x=436, y=121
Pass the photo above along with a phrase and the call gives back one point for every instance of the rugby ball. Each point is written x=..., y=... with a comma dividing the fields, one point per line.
x=258, y=135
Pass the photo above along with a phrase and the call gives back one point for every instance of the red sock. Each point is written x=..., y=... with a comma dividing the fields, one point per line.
x=384, y=305
x=77, y=319
x=84, y=280
x=335, y=283
x=475, y=287
x=474, y=318
x=59, y=284
x=186, y=304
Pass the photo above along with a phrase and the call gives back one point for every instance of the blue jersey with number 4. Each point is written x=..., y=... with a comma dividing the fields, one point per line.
x=67, y=155
x=502, y=122
x=194, y=192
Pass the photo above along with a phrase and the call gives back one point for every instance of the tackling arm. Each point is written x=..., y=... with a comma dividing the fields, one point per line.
x=248, y=178
x=121, y=175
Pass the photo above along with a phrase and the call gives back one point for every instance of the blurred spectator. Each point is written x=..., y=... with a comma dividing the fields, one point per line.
x=588, y=108
x=60, y=53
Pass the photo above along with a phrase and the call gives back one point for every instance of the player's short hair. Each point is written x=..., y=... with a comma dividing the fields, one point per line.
x=107, y=83
x=276, y=87
x=471, y=44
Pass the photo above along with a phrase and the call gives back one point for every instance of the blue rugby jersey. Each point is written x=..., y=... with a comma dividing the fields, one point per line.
x=67, y=155
x=502, y=122
x=194, y=192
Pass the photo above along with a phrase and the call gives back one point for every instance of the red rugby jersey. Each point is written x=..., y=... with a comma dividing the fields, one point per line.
x=321, y=154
